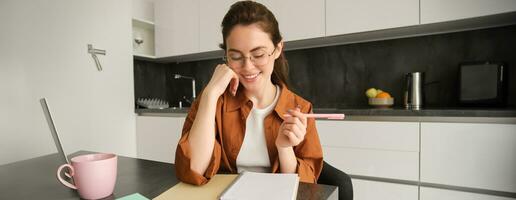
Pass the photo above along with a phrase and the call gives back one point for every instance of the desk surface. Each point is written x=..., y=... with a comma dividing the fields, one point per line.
x=35, y=179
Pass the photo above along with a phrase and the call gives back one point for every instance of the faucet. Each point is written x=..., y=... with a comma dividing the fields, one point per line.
x=179, y=76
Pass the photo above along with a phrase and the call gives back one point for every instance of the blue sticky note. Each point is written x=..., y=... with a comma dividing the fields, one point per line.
x=135, y=196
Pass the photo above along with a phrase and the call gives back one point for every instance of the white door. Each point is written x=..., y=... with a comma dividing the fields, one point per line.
x=472, y=155
x=349, y=16
x=211, y=14
x=157, y=137
x=298, y=20
x=45, y=55
x=176, y=27
x=433, y=11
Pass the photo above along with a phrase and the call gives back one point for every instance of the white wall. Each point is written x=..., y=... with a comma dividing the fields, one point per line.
x=43, y=53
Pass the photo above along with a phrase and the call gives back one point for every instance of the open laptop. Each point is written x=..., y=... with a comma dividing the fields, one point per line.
x=53, y=130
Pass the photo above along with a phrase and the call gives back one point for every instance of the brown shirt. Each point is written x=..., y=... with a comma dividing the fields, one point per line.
x=230, y=122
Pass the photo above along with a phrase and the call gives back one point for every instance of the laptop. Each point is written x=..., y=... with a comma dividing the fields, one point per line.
x=53, y=130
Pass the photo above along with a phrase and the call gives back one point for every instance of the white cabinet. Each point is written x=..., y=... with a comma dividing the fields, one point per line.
x=192, y=27
x=469, y=155
x=157, y=137
x=349, y=16
x=186, y=27
x=370, y=190
x=444, y=10
x=211, y=14
x=143, y=10
x=441, y=194
x=177, y=27
x=374, y=149
x=367, y=148
x=298, y=19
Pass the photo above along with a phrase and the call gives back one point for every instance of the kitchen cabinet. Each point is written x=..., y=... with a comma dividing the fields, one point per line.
x=365, y=190
x=433, y=11
x=211, y=14
x=427, y=193
x=298, y=19
x=374, y=149
x=157, y=137
x=193, y=27
x=143, y=10
x=469, y=155
x=368, y=148
x=349, y=16
x=304, y=22
x=176, y=27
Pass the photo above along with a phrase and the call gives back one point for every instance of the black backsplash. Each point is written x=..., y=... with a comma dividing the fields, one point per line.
x=337, y=76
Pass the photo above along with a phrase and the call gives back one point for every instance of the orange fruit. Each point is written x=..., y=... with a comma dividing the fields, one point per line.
x=383, y=95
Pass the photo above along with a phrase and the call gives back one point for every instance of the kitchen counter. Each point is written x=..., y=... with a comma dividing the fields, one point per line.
x=430, y=112
x=475, y=115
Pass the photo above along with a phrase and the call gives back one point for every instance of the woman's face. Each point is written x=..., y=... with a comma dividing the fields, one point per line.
x=251, y=54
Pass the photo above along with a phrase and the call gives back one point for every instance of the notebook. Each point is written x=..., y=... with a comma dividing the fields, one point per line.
x=208, y=191
x=134, y=196
x=271, y=186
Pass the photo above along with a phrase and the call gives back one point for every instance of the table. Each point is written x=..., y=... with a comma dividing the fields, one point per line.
x=36, y=179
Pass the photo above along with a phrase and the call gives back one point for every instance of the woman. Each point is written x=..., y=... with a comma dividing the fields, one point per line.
x=246, y=119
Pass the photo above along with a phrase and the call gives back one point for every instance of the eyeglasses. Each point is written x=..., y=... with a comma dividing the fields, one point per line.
x=258, y=58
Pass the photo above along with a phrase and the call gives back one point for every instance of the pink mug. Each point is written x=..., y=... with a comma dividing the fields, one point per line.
x=94, y=175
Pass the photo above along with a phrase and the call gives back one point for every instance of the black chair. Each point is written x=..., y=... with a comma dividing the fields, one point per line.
x=333, y=176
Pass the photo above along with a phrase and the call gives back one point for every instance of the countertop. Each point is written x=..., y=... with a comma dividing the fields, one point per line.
x=458, y=114
x=367, y=111
x=430, y=112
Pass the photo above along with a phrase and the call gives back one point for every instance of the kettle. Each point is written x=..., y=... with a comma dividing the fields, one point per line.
x=413, y=94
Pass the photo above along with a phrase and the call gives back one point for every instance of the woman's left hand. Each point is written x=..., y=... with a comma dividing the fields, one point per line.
x=293, y=130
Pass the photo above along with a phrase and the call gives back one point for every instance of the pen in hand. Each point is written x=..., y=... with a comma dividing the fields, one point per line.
x=323, y=116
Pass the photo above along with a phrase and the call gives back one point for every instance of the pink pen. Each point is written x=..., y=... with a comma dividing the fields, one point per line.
x=323, y=116
x=326, y=116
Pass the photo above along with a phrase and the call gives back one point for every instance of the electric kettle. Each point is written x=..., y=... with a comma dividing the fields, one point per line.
x=413, y=94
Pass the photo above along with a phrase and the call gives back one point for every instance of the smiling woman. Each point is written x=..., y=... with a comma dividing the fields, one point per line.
x=246, y=118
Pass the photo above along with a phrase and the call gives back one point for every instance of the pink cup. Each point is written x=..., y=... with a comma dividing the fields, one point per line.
x=94, y=175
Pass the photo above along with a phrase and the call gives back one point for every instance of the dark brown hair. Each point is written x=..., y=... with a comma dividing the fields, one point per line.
x=247, y=13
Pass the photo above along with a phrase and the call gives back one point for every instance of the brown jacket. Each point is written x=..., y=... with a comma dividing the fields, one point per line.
x=230, y=120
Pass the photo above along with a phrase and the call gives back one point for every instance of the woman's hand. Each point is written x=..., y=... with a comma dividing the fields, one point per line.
x=293, y=130
x=221, y=78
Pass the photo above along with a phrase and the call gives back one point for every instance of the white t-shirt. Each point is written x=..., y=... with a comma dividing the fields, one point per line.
x=253, y=155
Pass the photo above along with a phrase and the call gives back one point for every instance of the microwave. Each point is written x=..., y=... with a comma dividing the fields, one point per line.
x=483, y=84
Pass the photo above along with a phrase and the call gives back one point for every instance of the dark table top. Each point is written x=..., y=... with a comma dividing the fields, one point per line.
x=36, y=179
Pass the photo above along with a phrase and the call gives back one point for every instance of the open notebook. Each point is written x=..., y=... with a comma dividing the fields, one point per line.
x=271, y=186
x=248, y=186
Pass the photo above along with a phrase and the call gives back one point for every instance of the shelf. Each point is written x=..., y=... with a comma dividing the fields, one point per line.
x=138, y=56
x=143, y=30
x=143, y=23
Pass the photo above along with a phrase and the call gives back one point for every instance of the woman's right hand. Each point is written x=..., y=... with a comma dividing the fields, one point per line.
x=222, y=77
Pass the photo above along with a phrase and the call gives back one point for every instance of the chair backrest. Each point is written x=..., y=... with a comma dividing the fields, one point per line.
x=333, y=176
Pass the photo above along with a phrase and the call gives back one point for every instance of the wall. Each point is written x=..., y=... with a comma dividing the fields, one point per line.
x=337, y=76
x=43, y=53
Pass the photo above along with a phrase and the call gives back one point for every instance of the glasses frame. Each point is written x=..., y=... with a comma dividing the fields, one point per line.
x=250, y=57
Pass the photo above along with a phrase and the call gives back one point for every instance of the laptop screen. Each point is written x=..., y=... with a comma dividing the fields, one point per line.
x=53, y=130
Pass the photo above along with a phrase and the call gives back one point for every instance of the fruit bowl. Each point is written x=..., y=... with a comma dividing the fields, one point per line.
x=381, y=102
